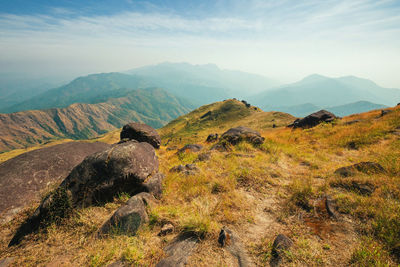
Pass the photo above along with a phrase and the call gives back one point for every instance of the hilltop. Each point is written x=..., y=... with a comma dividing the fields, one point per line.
x=221, y=116
x=292, y=184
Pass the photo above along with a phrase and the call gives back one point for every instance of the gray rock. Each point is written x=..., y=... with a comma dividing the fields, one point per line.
x=232, y=243
x=188, y=169
x=153, y=185
x=364, y=167
x=204, y=157
x=118, y=264
x=23, y=177
x=190, y=148
x=98, y=179
x=313, y=119
x=385, y=112
x=179, y=251
x=166, y=229
x=6, y=261
x=241, y=133
x=142, y=133
x=281, y=244
x=128, y=218
x=212, y=138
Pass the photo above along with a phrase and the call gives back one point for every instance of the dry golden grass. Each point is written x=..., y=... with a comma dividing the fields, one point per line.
x=257, y=197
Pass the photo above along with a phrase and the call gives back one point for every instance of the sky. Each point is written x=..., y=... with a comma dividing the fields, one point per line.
x=284, y=40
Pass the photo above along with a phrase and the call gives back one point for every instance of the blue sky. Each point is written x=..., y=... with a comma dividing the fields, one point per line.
x=285, y=40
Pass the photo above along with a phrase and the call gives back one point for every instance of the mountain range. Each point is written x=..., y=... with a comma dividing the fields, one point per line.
x=341, y=110
x=97, y=103
x=322, y=91
x=152, y=106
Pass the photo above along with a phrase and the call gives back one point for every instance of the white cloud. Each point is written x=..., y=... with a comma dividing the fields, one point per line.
x=284, y=39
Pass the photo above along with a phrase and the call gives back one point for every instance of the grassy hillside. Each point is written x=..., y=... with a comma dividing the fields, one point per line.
x=257, y=191
x=81, y=121
x=219, y=117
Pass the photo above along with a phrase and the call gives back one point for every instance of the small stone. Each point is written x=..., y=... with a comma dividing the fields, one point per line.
x=166, y=229
x=212, y=138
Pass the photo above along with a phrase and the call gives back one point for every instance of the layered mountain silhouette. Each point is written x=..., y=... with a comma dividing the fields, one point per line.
x=152, y=106
x=198, y=84
x=203, y=84
x=325, y=92
x=341, y=110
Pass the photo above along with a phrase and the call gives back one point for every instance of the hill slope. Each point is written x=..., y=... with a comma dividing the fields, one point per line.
x=326, y=92
x=287, y=185
x=80, y=121
x=219, y=117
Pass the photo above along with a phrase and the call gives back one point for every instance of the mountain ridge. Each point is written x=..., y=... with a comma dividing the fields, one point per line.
x=153, y=106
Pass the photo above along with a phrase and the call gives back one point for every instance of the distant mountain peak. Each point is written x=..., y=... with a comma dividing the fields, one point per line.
x=314, y=78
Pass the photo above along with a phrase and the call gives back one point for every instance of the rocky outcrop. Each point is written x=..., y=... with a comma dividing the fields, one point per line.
x=99, y=178
x=313, y=119
x=128, y=218
x=241, y=133
x=22, y=178
x=142, y=133
x=179, y=251
x=364, y=167
x=190, y=148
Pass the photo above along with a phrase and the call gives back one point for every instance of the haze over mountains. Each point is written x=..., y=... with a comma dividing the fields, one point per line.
x=203, y=84
x=98, y=103
x=324, y=92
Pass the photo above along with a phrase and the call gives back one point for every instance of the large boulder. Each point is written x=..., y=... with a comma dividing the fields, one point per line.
x=313, y=119
x=364, y=167
x=22, y=178
x=241, y=133
x=99, y=178
x=128, y=218
x=142, y=133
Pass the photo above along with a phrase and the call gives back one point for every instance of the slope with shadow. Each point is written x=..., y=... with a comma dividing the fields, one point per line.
x=81, y=121
x=23, y=177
